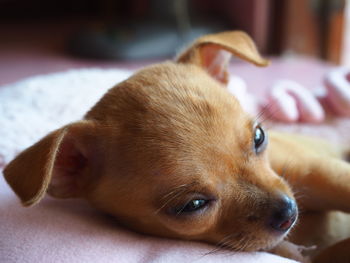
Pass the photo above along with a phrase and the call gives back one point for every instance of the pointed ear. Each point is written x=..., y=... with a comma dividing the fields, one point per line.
x=56, y=163
x=213, y=52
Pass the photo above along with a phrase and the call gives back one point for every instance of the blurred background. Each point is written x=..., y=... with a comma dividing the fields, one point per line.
x=38, y=36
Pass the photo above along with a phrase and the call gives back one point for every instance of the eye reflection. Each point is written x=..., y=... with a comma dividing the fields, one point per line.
x=192, y=206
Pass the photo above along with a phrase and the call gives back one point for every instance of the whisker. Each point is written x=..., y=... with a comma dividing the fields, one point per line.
x=169, y=200
x=223, y=245
x=266, y=113
x=173, y=194
x=263, y=111
x=176, y=189
x=299, y=192
x=245, y=245
x=269, y=116
x=299, y=195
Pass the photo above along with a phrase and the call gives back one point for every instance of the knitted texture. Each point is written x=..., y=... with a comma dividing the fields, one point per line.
x=31, y=108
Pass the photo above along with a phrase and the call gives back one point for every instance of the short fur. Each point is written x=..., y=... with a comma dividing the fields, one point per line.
x=171, y=133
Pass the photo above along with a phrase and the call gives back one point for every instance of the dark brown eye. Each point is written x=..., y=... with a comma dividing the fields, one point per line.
x=192, y=206
x=259, y=139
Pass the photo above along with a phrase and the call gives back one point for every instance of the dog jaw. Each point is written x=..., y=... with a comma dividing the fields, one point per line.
x=171, y=128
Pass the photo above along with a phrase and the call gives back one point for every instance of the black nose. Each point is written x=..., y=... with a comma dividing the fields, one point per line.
x=284, y=213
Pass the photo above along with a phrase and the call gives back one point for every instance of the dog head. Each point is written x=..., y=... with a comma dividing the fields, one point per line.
x=169, y=152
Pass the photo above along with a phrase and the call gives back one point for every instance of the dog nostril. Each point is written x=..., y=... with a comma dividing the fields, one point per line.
x=284, y=214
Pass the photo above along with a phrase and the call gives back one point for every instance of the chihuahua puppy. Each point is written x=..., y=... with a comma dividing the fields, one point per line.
x=169, y=152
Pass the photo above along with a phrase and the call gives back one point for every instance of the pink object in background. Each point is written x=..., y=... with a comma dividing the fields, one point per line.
x=288, y=101
x=337, y=84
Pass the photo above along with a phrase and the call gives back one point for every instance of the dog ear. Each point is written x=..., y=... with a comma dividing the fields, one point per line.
x=55, y=164
x=213, y=52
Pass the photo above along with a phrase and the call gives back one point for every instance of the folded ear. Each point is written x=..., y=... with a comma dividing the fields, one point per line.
x=213, y=52
x=56, y=163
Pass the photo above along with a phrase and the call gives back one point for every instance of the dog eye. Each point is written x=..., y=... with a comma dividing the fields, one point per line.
x=259, y=139
x=191, y=206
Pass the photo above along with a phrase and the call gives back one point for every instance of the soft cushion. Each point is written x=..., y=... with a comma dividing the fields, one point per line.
x=70, y=230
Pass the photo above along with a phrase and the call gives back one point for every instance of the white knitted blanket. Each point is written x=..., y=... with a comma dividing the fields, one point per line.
x=31, y=108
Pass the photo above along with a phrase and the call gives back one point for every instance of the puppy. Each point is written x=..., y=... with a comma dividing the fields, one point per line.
x=169, y=152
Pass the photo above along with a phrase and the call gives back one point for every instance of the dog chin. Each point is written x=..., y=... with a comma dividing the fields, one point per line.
x=274, y=243
x=264, y=244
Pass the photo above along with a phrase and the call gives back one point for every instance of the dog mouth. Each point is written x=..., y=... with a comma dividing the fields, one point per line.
x=262, y=240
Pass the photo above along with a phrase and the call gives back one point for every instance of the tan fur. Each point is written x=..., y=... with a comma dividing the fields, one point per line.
x=171, y=133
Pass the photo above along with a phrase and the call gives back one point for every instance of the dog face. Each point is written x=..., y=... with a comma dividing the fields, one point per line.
x=169, y=152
